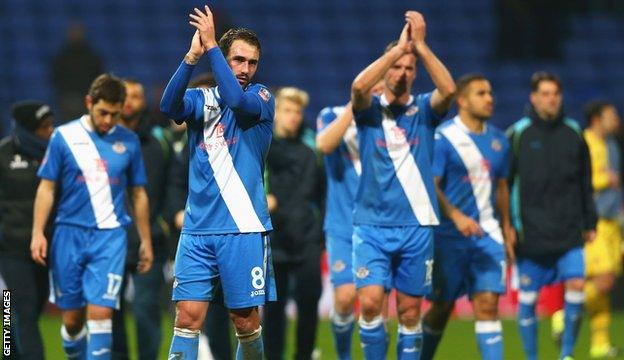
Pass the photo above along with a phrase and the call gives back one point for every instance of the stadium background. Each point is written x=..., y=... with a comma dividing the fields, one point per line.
x=321, y=45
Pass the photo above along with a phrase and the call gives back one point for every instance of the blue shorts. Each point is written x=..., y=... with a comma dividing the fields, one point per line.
x=397, y=255
x=241, y=262
x=87, y=266
x=467, y=266
x=537, y=272
x=340, y=253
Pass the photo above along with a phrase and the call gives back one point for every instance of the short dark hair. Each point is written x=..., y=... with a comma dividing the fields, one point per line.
x=202, y=80
x=465, y=80
x=239, y=33
x=109, y=88
x=538, y=77
x=595, y=108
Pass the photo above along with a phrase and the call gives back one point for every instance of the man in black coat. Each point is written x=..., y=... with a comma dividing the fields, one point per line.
x=294, y=198
x=552, y=208
x=21, y=154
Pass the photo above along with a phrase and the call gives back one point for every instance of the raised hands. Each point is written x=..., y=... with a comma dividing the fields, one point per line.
x=417, y=26
x=204, y=37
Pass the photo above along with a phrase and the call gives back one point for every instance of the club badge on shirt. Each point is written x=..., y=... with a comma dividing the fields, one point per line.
x=119, y=147
x=264, y=94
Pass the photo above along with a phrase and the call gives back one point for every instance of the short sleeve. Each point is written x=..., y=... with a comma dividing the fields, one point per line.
x=136, y=169
x=440, y=154
x=52, y=162
x=426, y=112
x=324, y=118
x=369, y=115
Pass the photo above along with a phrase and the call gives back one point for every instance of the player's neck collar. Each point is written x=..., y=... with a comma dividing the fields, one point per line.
x=460, y=124
x=86, y=123
x=384, y=101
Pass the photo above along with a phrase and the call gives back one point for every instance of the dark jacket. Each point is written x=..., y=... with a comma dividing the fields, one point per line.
x=157, y=156
x=551, y=198
x=293, y=177
x=18, y=187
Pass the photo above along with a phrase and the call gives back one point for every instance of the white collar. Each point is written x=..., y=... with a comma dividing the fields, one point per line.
x=460, y=124
x=384, y=101
x=84, y=120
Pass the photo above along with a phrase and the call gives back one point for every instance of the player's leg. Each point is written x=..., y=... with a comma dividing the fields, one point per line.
x=66, y=272
x=450, y=271
x=102, y=283
x=371, y=267
x=602, y=267
x=533, y=274
x=340, y=250
x=488, y=326
x=571, y=269
x=195, y=270
x=413, y=278
x=307, y=292
x=246, y=269
x=488, y=270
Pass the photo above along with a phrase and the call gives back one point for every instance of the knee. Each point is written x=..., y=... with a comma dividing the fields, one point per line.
x=409, y=314
x=246, y=321
x=344, y=299
x=486, y=306
x=188, y=319
x=371, y=307
x=73, y=326
x=575, y=284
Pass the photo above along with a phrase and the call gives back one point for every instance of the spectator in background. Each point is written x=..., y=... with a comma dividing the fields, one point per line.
x=603, y=255
x=293, y=198
x=20, y=156
x=148, y=286
x=217, y=324
x=73, y=69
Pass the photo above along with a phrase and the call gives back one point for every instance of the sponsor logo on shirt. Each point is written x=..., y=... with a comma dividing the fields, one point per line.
x=18, y=163
x=496, y=145
x=119, y=147
x=412, y=110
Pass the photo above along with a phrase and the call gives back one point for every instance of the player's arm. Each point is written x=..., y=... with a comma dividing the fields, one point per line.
x=176, y=102
x=442, y=96
x=361, y=95
x=140, y=204
x=44, y=200
x=466, y=225
x=328, y=139
x=587, y=195
x=502, y=205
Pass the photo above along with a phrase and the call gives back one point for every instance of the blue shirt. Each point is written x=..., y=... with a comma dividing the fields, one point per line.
x=396, y=150
x=469, y=165
x=93, y=172
x=229, y=133
x=343, y=169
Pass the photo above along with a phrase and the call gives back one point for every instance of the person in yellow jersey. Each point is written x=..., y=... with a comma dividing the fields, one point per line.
x=603, y=256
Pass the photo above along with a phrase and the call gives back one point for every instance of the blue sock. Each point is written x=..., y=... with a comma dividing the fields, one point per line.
x=184, y=344
x=100, y=339
x=75, y=346
x=528, y=323
x=573, y=309
x=342, y=330
x=490, y=339
x=374, y=338
x=250, y=346
x=409, y=343
x=431, y=339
